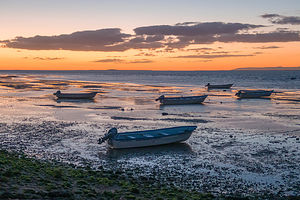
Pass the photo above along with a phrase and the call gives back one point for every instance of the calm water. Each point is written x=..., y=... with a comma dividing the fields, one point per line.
x=241, y=79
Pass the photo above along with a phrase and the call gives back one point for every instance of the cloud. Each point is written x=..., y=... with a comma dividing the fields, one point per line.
x=208, y=28
x=123, y=61
x=211, y=56
x=270, y=15
x=144, y=54
x=164, y=38
x=279, y=36
x=186, y=23
x=201, y=49
x=267, y=47
x=281, y=19
x=4, y=41
x=109, y=60
x=45, y=58
x=141, y=61
x=98, y=40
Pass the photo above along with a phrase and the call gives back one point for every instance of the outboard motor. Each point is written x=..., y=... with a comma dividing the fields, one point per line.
x=161, y=97
x=110, y=134
x=58, y=92
x=238, y=93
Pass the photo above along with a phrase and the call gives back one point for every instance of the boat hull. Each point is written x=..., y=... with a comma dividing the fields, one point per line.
x=149, y=142
x=226, y=86
x=151, y=137
x=254, y=94
x=183, y=100
x=76, y=95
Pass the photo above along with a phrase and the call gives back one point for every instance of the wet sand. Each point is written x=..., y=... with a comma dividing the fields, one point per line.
x=243, y=146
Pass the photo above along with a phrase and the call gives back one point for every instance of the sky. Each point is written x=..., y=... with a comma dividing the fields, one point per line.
x=148, y=35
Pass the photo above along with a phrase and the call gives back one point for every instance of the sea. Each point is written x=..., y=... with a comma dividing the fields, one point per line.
x=241, y=146
x=241, y=79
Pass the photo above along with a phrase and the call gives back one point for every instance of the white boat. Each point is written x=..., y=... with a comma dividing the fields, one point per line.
x=254, y=93
x=181, y=100
x=89, y=95
x=225, y=86
x=147, y=138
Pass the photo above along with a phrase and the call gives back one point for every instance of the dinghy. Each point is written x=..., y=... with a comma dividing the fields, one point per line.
x=254, y=93
x=180, y=100
x=147, y=138
x=89, y=95
x=225, y=86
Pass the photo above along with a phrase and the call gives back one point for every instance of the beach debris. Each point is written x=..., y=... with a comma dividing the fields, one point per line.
x=164, y=113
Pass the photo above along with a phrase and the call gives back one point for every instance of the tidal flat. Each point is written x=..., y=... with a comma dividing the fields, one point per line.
x=247, y=148
x=26, y=178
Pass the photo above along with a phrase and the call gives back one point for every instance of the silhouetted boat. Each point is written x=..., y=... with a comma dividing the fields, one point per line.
x=147, y=138
x=225, y=86
x=181, y=100
x=89, y=95
x=254, y=93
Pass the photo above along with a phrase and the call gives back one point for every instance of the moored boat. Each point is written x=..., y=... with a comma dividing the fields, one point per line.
x=225, y=86
x=254, y=93
x=147, y=138
x=181, y=100
x=60, y=95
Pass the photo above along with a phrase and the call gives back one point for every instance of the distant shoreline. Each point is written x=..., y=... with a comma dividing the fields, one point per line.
x=267, y=69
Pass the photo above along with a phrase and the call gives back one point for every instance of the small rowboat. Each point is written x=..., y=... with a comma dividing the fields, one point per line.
x=89, y=95
x=254, y=93
x=225, y=86
x=147, y=138
x=181, y=100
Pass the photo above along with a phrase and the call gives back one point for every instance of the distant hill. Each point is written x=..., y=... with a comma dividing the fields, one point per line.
x=268, y=68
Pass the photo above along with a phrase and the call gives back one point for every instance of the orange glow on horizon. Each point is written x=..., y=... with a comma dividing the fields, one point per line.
x=286, y=56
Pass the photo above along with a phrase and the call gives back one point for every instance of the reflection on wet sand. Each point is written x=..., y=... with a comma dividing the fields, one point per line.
x=260, y=98
x=169, y=149
x=75, y=100
x=233, y=146
x=162, y=107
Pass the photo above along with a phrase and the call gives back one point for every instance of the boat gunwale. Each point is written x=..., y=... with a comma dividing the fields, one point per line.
x=224, y=86
x=88, y=95
x=256, y=91
x=154, y=137
x=187, y=97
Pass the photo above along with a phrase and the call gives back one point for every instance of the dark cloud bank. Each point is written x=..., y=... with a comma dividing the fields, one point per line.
x=280, y=19
x=154, y=37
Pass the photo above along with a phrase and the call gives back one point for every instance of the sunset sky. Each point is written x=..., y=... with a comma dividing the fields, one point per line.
x=148, y=35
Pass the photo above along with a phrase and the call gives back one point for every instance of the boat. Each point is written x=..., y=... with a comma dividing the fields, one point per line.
x=146, y=138
x=89, y=95
x=254, y=93
x=181, y=100
x=225, y=86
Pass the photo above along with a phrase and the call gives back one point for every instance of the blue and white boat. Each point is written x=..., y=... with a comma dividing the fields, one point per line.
x=147, y=138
